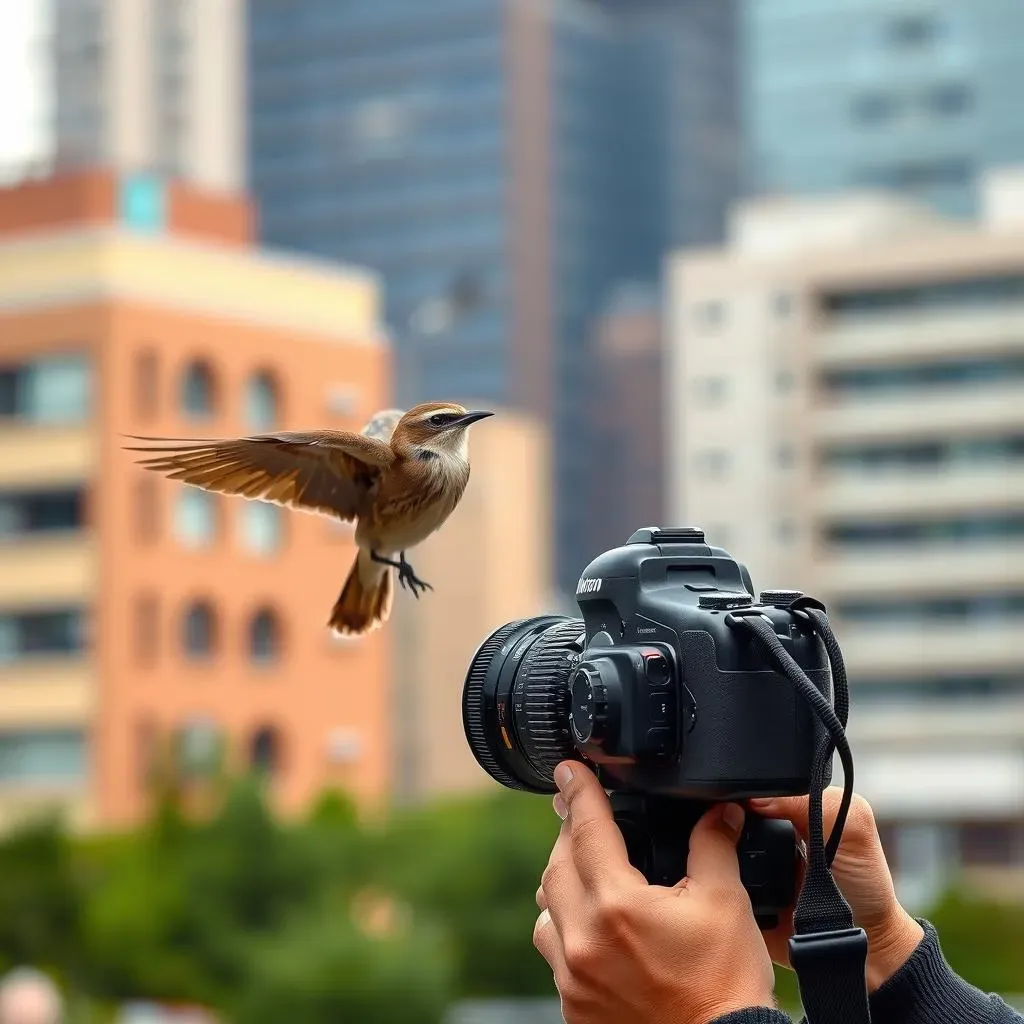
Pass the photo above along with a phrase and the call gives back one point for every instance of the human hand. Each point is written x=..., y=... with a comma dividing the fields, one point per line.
x=624, y=950
x=863, y=878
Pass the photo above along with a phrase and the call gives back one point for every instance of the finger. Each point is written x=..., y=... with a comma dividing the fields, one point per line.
x=560, y=886
x=712, y=857
x=797, y=808
x=549, y=945
x=540, y=899
x=598, y=849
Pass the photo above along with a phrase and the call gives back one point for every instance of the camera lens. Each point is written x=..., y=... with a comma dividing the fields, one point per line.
x=515, y=701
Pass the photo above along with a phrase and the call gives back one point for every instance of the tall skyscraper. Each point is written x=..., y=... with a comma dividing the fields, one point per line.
x=154, y=86
x=529, y=153
x=914, y=95
x=849, y=384
x=140, y=618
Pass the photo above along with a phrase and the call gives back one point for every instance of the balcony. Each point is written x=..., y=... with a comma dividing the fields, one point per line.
x=948, y=568
x=913, y=649
x=906, y=338
x=43, y=692
x=946, y=412
x=851, y=495
x=993, y=723
x=43, y=569
x=33, y=454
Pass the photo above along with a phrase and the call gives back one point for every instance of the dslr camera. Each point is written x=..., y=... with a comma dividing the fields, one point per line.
x=670, y=704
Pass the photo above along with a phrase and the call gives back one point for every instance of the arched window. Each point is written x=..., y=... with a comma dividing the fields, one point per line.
x=199, y=630
x=261, y=526
x=195, y=517
x=261, y=401
x=198, y=391
x=264, y=637
x=265, y=750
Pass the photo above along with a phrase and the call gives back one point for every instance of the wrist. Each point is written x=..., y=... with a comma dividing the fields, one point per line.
x=891, y=946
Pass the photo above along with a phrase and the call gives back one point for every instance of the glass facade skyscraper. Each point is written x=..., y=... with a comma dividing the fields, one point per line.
x=911, y=95
x=543, y=151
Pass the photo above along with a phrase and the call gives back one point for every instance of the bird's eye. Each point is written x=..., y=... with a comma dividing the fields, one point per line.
x=439, y=419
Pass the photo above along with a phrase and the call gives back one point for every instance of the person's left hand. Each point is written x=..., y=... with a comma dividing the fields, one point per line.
x=624, y=950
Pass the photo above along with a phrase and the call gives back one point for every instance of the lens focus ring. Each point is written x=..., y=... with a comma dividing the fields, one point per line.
x=541, y=698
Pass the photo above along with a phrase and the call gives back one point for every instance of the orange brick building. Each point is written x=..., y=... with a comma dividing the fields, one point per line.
x=135, y=611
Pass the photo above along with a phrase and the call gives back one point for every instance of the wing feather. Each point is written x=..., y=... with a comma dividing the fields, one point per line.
x=328, y=471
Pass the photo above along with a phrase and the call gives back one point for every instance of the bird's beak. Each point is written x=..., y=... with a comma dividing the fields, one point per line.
x=472, y=417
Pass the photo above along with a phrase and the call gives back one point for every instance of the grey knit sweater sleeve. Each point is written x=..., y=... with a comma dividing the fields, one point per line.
x=925, y=990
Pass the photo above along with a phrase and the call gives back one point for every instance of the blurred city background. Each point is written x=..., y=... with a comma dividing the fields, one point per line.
x=753, y=265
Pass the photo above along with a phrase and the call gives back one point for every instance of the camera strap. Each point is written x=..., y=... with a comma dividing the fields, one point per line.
x=827, y=951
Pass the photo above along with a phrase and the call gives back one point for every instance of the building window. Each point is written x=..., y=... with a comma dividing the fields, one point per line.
x=147, y=526
x=712, y=463
x=264, y=637
x=52, y=632
x=950, y=99
x=56, y=389
x=147, y=747
x=261, y=402
x=261, y=523
x=912, y=31
x=782, y=305
x=265, y=751
x=195, y=517
x=198, y=396
x=992, y=844
x=785, y=455
x=786, y=531
x=199, y=748
x=711, y=390
x=708, y=316
x=199, y=631
x=147, y=628
x=56, y=510
x=785, y=381
x=146, y=385
x=873, y=109
x=44, y=755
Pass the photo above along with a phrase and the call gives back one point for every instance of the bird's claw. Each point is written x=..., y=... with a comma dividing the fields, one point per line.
x=407, y=576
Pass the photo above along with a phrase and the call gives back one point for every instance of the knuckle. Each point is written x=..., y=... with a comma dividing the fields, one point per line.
x=584, y=830
x=861, y=819
x=612, y=914
x=579, y=957
x=549, y=878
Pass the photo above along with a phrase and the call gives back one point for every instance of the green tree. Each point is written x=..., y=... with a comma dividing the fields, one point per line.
x=321, y=970
x=473, y=866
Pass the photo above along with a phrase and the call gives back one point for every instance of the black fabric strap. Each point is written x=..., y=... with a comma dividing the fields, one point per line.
x=827, y=951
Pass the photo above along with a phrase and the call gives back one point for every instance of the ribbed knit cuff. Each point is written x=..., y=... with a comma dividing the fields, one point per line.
x=926, y=990
x=755, y=1015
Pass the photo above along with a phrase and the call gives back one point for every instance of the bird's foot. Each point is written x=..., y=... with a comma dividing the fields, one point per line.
x=407, y=576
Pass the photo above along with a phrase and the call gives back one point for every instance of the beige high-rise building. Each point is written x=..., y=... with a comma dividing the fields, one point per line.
x=846, y=416
x=147, y=86
x=490, y=564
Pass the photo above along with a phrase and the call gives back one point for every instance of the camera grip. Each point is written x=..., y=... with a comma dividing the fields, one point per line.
x=657, y=831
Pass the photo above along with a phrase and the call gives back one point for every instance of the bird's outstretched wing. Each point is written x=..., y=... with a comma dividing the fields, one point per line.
x=328, y=471
x=382, y=424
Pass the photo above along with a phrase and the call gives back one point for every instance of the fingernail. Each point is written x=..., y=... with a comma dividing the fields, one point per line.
x=760, y=801
x=732, y=815
x=563, y=776
x=559, y=804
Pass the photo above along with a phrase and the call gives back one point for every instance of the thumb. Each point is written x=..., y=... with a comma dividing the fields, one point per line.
x=794, y=809
x=712, y=856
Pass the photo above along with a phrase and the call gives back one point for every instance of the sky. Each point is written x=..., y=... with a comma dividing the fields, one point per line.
x=25, y=111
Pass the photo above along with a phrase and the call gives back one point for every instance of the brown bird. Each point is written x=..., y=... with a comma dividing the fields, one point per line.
x=399, y=480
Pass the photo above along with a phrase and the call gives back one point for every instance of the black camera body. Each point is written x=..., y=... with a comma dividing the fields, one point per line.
x=658, y=692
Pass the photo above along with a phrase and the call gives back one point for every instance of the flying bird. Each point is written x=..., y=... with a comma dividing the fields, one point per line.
x=399, y=480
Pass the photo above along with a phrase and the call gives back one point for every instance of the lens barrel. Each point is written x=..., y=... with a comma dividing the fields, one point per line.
x=515, y=700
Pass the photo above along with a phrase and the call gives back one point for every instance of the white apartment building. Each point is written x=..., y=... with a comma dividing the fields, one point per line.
x=138, y=85
x=846, y=415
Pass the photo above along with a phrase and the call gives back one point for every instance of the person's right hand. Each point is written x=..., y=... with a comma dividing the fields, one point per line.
x=863, y=878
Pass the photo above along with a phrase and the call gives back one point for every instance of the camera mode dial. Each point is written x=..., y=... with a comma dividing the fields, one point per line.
x=589, y=703
x=724, y=600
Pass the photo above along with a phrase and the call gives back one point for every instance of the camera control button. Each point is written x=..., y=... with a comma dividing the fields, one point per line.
x=724, y=600
x=779, y=598
x=657, y=669
x=659, y=741
x=661, y=708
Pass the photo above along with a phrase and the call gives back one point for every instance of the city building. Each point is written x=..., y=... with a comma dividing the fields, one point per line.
x=626, y=473
x=155, y=86
x=138, y=616
x=910, y=95
x=531, y=154
x=846, y=382
x=491, y=564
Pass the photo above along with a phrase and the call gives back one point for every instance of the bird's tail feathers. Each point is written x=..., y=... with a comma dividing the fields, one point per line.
x=365, y=600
